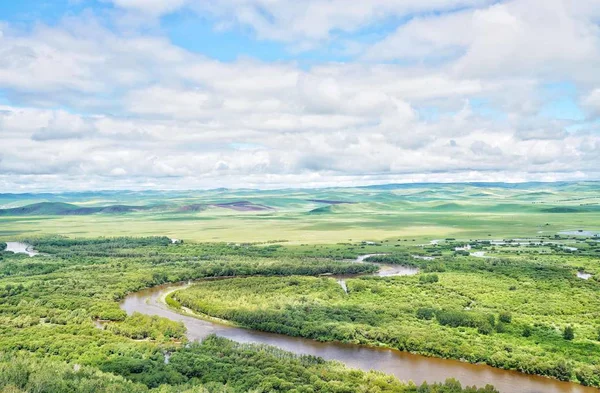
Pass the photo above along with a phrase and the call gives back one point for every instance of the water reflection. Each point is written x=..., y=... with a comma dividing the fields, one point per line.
x=21, y=248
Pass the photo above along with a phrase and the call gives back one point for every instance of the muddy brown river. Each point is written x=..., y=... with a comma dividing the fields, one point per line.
x=403, y=365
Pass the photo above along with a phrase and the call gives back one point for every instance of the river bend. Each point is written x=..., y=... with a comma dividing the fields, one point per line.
x=405, y=366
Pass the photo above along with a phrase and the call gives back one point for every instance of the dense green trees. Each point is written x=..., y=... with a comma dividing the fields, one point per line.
x=484, y=323
x=20, y=374
x=505, y=317
x=271, y=369
x=49, y=342
x=48, y=305
x=462, y=315
x=215, y=366
x=139, y=327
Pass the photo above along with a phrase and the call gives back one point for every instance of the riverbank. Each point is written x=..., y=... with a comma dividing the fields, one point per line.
x=403, y=365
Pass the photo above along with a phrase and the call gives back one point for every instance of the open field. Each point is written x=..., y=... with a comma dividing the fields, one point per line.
x=315, y=216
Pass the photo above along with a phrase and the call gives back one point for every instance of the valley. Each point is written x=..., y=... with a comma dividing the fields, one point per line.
x=436, y=288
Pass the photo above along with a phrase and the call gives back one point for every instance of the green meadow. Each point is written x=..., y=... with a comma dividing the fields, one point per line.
x=424, y=212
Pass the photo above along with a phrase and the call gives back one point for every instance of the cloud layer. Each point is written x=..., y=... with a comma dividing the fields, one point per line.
x=458, y=90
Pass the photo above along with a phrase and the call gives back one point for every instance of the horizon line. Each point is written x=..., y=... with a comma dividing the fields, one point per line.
x=472, y=183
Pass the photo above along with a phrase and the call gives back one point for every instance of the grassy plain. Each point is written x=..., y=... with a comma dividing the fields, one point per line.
x=424, y=212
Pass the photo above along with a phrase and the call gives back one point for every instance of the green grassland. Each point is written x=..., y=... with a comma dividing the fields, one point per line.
x=424, y=212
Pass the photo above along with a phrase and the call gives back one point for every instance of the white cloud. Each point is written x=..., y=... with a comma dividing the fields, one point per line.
x=551, y=131
x=82, y=56
x=150, y=7
x=480, y=148
x=550, y=38
x=304, y=23
x=102, y=109
x=592, y=102
x=63, y=125
x=180, y=103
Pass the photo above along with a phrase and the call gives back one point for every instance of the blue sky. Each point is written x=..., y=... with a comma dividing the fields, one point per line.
x=134, y=94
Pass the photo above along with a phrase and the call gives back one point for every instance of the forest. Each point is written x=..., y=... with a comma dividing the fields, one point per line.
x=62, y=330
x=530, y=314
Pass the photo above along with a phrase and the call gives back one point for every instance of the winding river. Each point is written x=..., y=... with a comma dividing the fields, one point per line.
x=403, y=365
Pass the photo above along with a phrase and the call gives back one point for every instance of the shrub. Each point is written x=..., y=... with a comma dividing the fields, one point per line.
x=569, y=333
x=456, y=318
x=501, y=327
x=484, y=328
x=505, y=317
x=426, y=313
x=429, y=278
x=562, y=371
x=172, y=302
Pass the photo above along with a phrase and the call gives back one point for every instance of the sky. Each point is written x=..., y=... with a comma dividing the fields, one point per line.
x=186, y=94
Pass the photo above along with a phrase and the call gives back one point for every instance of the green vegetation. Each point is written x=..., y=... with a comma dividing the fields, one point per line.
x=216, y=365
x=421, y=212
x=498, y=284
x=19, y=373
x=49, y=341
x=429, y=278
x=139, y=326
x=569, y=333
x=505, y=317
x=458, y=312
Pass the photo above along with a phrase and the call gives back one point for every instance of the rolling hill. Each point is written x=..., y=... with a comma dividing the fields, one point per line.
x=66, y=209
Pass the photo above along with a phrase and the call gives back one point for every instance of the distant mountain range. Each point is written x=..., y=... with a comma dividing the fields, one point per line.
x=524, y=185
x=69, y=209
x=563, y=197
x=66, y=209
